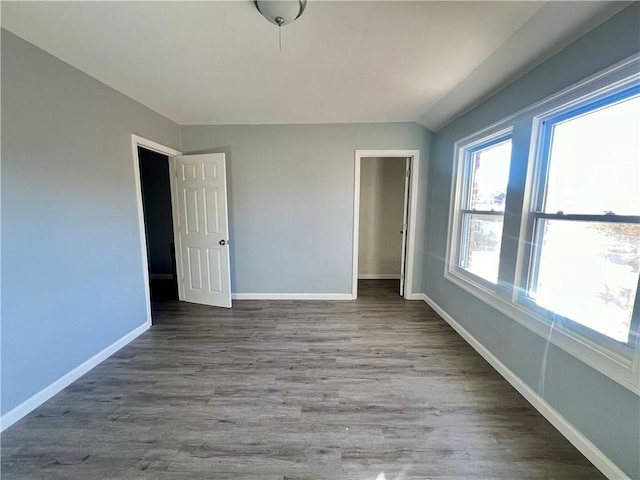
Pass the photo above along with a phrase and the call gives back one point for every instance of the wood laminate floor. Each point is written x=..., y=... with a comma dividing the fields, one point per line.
x=275, y=390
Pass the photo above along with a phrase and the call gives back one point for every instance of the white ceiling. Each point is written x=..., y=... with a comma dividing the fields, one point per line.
x=363, y=61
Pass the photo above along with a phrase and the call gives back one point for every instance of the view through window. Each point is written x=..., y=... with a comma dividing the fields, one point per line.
x=588, y=239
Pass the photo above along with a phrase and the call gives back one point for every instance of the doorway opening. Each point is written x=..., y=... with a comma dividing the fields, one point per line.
x=158, y=220
x=384, y=217
x=162, y=159
x=196, y=203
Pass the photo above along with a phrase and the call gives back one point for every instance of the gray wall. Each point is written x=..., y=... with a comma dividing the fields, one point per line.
x=607, y=413
x=72, y=279
x=382, y=192
x=291, y=199
x=158, y=218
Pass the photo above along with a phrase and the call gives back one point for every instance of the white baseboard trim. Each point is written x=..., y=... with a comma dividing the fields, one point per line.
x=161, y=276
x=33, y=402
x=291, y=296
x=571, y=433
x=415, y=296
x=378, y=276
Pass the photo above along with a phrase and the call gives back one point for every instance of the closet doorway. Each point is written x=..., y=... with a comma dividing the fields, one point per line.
x=384, y=217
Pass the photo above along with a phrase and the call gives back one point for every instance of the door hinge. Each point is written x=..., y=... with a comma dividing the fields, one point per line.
x=402, y=276
x=408, y=173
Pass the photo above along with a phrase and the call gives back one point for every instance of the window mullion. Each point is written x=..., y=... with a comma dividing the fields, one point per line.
x=515, y=197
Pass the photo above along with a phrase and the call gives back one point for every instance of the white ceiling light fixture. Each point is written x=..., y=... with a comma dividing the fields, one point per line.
x=280, y=12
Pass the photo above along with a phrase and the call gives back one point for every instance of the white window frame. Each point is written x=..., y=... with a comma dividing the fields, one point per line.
x=620, y=364
x=464, y=152
x=543, y=124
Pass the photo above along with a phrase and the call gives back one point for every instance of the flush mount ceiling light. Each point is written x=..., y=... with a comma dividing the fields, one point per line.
x=280, y=12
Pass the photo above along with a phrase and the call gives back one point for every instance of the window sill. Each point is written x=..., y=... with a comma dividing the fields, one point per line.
x=621, y=368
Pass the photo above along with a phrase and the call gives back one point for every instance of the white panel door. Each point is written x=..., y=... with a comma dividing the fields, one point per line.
x=203, y=230
x=405, y=226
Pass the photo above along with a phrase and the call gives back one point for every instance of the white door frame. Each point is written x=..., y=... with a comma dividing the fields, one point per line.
x=136, y=142
x=414, y=155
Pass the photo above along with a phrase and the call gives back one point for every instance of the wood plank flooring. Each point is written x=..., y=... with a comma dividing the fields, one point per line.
x=275, y=390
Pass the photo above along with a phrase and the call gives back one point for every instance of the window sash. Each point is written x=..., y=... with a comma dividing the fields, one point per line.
x=464, y=239
x=537, y=215
x=532, y=272
x=535, y=242
x=467, y=180
x=546, y=129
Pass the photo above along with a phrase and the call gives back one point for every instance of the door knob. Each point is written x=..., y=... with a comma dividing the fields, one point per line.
x=222, y=242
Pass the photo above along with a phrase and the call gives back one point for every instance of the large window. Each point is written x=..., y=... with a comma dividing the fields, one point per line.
x=545, y=219
x=586, y=231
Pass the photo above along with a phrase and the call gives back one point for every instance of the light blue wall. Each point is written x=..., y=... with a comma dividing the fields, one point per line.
x=71, y=265
x=291, y=199
x=607, y=413
x=72, y=279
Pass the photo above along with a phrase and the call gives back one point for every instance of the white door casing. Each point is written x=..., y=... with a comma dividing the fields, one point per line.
x=137, y=141
x=405, y=224
x=203, y=229
x=414, y=156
